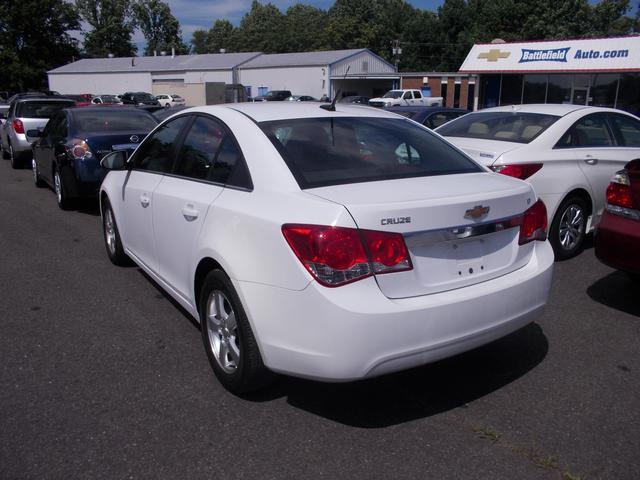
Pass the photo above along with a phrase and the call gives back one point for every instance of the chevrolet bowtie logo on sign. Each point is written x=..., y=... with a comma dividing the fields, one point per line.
x=493, y=55
x=477, y=213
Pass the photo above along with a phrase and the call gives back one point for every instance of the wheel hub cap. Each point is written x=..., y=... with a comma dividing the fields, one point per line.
x=571, y=227
x=222, y=331
x=109, y=232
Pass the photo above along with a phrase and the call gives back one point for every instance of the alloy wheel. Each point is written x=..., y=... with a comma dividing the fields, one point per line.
x=571, y=227
x=222, y=330
x=57, y=187
x=34, y=168
x=110, y=231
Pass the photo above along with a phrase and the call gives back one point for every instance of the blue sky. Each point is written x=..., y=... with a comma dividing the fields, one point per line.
x=195, y=14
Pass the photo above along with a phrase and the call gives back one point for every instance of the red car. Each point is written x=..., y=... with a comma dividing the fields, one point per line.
x=617, y=239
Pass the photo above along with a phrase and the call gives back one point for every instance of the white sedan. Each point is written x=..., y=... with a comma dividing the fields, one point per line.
x=567, y=152
x=331, y=245
x=167, y=100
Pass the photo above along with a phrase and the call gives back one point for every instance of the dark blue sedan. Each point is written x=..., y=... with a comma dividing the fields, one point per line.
x=68, y=151
x=430, y=117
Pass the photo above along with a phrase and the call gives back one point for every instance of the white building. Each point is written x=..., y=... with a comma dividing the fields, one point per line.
x=186, y=75
x=356, y=72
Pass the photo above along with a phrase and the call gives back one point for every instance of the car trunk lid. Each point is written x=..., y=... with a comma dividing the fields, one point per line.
x=103, y=143
x=485, y=152
x=447, y=250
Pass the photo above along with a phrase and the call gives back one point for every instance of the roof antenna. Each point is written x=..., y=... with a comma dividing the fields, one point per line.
x=332, y=107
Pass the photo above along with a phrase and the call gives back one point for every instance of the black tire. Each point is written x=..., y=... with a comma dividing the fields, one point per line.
x=111, y=237
x=14, y=158
x=36, y=175
x=570, y=241
x=248, y=372
x=5, y=154
x=64, y=202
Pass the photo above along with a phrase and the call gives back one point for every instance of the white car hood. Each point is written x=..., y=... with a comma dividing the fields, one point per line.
x=483, y=151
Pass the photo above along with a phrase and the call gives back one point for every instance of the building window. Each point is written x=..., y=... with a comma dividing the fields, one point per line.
x=511, y=91
x=559, y=89
x=470, y=96
x=365, y=66
x=603, y=89
x=535, y=89
x=489, y=91
x=456, y=96
x=629, y=93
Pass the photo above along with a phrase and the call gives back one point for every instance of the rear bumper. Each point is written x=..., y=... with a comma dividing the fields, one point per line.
x=83, y=178
x=616, y=242
x=352, y=332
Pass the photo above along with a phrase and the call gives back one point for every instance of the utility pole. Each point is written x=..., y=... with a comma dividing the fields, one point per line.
x=397, y=51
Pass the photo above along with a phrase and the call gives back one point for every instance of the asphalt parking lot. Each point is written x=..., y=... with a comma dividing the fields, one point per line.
x=102, y=376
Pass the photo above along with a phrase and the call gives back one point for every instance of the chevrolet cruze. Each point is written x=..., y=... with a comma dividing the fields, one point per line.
x=331, y=244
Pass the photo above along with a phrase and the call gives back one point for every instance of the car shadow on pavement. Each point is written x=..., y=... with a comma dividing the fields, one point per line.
x=418, y=393
x=617, y=290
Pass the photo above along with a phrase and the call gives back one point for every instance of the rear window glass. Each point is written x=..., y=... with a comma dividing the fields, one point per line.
x=341, y=150
x=42, y=109
x=506, y=126
x=112, y=121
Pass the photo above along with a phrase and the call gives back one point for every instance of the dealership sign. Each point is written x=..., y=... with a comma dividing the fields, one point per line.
x=608, y=54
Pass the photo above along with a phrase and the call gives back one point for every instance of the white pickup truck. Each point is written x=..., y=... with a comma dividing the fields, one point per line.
x=394, y=98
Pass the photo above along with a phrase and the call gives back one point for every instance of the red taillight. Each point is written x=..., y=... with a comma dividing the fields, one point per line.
x=18, y=126
x=338, y=255
x=534, y=224
x=619, y=190
x=387, y=251
x=517, y=170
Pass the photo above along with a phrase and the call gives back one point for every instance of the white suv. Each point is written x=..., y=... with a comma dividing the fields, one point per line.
x=332, y=245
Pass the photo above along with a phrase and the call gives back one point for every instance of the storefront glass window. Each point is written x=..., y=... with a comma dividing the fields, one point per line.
x=511, y=93
x=603, y=89
x=535, y=89
x=489, y=91
x=629, y=93
x=559, y=90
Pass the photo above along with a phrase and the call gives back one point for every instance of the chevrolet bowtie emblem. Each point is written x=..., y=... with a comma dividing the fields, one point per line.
x=476, y=213
x=493, y=55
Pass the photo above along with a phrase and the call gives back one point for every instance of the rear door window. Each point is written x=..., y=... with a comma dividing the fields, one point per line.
x=157, y=151
x=627, y=130
x=209, y=152
x=590, y=131
x=341, y=150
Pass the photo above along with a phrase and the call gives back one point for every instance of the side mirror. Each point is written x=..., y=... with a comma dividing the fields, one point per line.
x=115, y=160
x=34, y=133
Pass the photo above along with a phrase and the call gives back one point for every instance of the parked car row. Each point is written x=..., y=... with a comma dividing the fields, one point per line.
x=336, y=242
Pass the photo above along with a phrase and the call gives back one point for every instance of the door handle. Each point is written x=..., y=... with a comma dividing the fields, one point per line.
x=144, y=200
x=189, y=213
x=590, y=160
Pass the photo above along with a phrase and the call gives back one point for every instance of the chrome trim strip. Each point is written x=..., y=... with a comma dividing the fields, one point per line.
x=427, y=238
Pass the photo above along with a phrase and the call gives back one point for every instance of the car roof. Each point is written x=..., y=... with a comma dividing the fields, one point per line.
x=405, y=108
x=61, y=98
x=559, y=109
x=268, y=111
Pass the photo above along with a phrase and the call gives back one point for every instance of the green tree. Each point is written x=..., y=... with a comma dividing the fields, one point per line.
x=29, y=48
x=160, y=28
x=609, y=18
x=199, y=41
x=261, y=29
x=221, y=36
x=305, y=27
x=111, y=27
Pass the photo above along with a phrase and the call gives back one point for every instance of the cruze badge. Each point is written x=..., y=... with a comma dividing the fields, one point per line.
x=476, y=213
x=134, y=138
x=395, y=221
